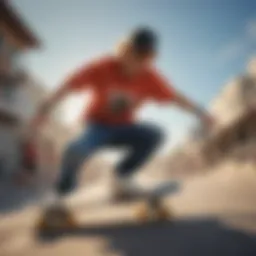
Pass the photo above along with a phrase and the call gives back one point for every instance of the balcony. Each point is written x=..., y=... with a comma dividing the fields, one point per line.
x=9, y=89
x=12, y=78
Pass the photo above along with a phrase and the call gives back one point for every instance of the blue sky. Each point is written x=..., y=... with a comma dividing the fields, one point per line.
x=204, y=43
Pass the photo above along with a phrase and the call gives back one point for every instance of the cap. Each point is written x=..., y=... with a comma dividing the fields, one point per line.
x=144, y=40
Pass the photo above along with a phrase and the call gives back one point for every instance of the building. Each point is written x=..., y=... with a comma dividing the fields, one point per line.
x=15, y=40
x=21, y=94
x=235, y=111
x=234, y=136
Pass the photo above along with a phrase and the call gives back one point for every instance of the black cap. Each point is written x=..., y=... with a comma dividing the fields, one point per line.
x=144, y=40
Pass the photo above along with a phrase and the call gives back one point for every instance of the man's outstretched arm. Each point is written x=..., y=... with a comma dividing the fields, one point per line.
x=56, y=97
x=76, y=82
x=183, y=102
x=163, y=91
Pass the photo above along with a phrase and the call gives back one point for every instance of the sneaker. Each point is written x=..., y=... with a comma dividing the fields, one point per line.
x=125, y=189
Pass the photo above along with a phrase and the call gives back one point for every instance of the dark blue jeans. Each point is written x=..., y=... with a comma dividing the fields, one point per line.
x=142, y=140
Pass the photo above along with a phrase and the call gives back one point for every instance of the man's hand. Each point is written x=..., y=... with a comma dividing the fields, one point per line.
x=206, y=119
x=208, y=122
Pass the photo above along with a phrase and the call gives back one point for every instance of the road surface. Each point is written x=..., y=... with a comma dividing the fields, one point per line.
x=215, y=216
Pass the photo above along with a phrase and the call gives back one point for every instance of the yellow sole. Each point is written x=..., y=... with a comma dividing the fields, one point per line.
x=145, y=214
x=45, y=224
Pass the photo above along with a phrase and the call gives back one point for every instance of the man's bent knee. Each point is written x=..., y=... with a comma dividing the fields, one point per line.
x=65, y=186
x=154, y=136
x=145, y=146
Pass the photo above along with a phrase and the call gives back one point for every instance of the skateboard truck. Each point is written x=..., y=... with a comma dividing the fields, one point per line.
x=154, y=208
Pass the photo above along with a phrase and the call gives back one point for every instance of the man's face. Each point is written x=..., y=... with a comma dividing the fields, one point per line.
x=139, y=62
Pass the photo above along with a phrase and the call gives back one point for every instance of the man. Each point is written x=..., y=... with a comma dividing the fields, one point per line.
x=120, y=84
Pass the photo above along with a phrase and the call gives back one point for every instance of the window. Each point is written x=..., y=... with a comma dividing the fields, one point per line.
x=12, y=53
x=9, y=93
x=1, y=40
x=1, y=43
x=1, y=46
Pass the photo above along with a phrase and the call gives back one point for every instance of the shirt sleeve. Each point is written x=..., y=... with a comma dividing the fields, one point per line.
x=83, y=77
x=161, y=90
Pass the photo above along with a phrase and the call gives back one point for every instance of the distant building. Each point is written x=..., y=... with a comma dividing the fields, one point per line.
x=21, y=94
x=235, y=111
x=15, y=39
x=234, y=135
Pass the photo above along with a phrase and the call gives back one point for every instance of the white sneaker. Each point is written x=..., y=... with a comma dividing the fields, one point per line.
x=126, y=189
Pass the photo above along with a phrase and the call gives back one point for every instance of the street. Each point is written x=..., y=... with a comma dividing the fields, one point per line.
x=215, y=214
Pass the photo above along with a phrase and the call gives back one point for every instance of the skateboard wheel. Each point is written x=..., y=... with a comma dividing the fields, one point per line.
x=42, y=225
x=163, y=213
x=52, y=219
x=70, y=221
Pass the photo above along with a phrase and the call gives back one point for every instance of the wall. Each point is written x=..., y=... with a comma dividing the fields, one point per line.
x=228, y=105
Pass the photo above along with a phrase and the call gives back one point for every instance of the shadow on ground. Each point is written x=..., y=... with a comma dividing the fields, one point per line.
x=195, y=237
x=13, y=197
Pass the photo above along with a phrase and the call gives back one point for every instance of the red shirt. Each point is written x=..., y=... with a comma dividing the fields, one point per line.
x=109, y=85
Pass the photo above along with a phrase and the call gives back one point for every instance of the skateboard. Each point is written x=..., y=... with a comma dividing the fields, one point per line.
x=151, y=208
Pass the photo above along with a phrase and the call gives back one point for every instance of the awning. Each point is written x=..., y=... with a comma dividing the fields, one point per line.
x=12, y=19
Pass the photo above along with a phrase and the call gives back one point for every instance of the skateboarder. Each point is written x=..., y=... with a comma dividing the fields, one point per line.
x=120, y=83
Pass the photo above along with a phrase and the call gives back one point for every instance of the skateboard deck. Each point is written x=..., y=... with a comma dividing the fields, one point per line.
x=161, y=190
x=147, y=206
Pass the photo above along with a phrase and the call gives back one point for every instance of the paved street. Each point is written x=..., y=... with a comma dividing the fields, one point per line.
x=215, y=214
